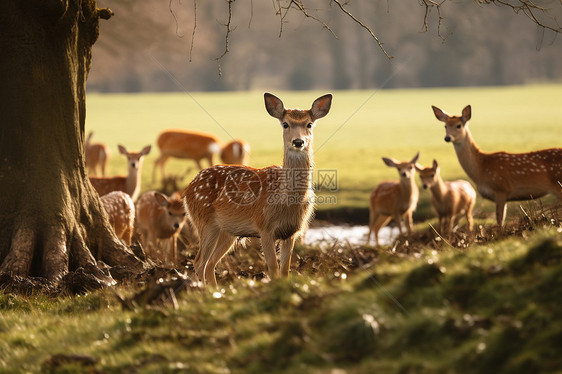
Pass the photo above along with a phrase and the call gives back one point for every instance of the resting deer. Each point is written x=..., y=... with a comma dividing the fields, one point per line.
x=450, y=199
x=129, y=184
x=121, y=213
x=273, y=203
x=185, y=144
x=97, y=156
x=160, y=217
x=502, y=176
x=236, y=153
x=396, y=200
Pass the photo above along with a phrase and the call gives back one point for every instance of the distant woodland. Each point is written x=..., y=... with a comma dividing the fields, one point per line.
x=148, y=47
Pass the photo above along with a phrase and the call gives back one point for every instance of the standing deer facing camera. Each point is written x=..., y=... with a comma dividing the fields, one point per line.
x=396, y=200
x=502, y=176
x=273, y=203
x=450, y=199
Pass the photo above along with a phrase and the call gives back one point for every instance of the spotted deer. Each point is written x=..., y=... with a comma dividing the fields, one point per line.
x=274, y=203
x=120, y=210
x=97, y=156
x=394, y=200
x=160, y=217
x=501, y=176
x=130, y=183
x=187, y=145
x=236, y=153
x=450, y=199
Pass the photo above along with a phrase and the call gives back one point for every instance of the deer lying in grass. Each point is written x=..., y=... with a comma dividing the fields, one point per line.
x=236, y=153
x=450, y=199
x=396, y=200
x=120, y=210
x=187, y=145
x=97, y=156
x=129, y=184
x=502, y=176
x=273, y=203
x=160, y=217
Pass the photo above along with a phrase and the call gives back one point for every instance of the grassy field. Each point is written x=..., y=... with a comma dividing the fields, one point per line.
x=492, y=308
x=362, y=127
x=491, y=304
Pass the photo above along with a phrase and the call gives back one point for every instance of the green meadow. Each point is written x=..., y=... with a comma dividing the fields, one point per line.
x=362, y=127
x=490, y=304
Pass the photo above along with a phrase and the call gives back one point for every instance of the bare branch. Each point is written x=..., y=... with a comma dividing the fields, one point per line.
x=193, y=32
x=529, y=8
x=175, y=19
x=228, y=31
x=364, y=26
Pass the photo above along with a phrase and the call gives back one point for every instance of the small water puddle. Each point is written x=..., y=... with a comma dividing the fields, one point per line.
x=352, y=235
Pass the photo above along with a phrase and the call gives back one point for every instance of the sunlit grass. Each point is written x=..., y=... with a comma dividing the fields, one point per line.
x=362, y=127
x=489, y=307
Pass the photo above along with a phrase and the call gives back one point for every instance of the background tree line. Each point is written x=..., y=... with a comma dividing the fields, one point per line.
x=147, y=46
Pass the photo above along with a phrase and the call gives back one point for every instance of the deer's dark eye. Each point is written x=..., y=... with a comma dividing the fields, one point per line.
x=309, y=125
x=169, y=213
x=432, y=175
x=459, y=126
x=285, y=125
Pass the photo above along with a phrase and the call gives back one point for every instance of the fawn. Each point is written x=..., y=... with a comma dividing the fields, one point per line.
x=97, y=156
x=160, y=217
x=129, y=184
x=502, y=176
x=396, y=200
x=185, y=144
x=273, y=203
x=120, y=210
x=450, y=199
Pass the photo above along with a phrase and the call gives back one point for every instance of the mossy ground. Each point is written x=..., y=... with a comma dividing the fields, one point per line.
x=493, y=306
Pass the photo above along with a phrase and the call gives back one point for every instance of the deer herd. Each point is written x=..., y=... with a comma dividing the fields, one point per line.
x=275, y=204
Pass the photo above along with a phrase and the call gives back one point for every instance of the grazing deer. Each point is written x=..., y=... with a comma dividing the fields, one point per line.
x=396, y=200
x=273, y=203
x=97, y=156
x=160, y=217
x=450, y=199
x=236, y=153
x=185, y=144
x=120, y=210
x=502, y=176
x=129, y=184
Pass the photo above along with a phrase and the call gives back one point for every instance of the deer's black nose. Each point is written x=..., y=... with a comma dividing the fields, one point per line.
x=176, y=225
x=298, y=143
x=425, y=186
x=447, y=138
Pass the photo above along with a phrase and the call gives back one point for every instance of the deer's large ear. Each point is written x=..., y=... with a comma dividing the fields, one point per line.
x=415, y=159
x=435, y=164
x=441, y=115
x=389, y=161
x=161, y=199
x=321, y=106
x=146, y=150
x=466, y=114
x=122, y=149
x=274, y=106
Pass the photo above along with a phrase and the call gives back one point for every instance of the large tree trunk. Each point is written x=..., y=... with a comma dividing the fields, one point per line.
x=51, y=219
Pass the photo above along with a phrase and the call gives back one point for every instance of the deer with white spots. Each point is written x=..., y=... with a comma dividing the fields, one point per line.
x=273, y=203
x=396, y=200
x=450, y=199
x=130, y=183
x=120, y=210
x=160, y=217
x=235, y=153
x=97, y=156
x=502, y=176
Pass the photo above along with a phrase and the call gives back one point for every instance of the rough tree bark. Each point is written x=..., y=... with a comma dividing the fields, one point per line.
x=51, y=219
